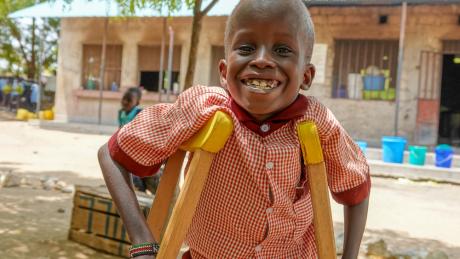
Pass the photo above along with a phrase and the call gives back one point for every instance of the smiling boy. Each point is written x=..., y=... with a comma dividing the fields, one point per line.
x=256, y=202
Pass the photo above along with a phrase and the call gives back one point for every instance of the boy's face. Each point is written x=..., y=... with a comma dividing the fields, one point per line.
x=266, y=64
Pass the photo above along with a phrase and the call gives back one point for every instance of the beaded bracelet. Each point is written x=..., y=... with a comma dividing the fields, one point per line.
x=150, y=248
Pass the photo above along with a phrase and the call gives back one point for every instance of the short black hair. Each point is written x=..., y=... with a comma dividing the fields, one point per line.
x=133, y=92
x=297, y=7
x=136, y=90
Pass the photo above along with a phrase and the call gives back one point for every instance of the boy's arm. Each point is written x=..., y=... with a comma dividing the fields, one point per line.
x=355, y=221
x=118, y=182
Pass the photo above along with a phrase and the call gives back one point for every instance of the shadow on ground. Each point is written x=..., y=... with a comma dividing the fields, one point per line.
x=401, y=243
x=34, y=222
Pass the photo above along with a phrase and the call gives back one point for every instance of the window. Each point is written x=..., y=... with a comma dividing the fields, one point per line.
x=149, y=67
x=92, y=64
x=365, y=69
x=451, y=46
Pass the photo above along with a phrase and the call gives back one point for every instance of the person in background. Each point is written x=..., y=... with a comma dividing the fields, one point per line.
x=24, y=98
x=3, y=82
x=129, y=109
x=34, y=96
x=129, y=106
x=16, y=92
x=6, y=91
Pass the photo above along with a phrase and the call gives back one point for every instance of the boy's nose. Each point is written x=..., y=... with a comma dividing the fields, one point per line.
x=263, y=59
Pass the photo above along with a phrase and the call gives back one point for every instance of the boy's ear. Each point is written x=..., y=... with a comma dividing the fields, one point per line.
x=308, y=76
x=223, y=72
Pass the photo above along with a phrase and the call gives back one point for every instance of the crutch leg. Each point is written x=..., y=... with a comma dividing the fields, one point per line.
x=204, y=145
x=165, y=194
x=322, y=217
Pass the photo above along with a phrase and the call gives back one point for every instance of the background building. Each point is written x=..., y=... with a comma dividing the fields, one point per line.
x=356, y=50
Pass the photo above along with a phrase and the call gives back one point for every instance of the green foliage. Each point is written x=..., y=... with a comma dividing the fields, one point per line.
x=25, y=43
x=129, y=6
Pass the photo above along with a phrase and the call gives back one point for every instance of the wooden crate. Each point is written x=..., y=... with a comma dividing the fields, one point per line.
x=95, y=221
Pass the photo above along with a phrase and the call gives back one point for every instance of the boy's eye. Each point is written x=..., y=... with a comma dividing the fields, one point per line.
x=245, y=49
x=283, y=51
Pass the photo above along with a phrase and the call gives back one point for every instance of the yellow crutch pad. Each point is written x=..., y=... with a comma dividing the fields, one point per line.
x=213, y=136
x=308, y=136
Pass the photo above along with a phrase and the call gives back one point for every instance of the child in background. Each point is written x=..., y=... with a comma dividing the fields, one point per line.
x=129, y=106
x=129, y=109
x=256, y=201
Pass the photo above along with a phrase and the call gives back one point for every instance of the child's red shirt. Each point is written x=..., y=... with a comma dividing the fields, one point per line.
x=256, y=202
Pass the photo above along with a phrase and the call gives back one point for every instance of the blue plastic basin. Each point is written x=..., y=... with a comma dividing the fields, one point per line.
x=393, y=149
x=444, y=156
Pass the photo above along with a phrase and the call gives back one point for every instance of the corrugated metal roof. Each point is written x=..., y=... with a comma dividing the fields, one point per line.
x=109, y=8
x=376, y=2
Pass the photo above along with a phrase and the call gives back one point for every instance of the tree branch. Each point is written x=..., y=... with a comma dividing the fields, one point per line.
x=197, y=10
x=209, y=7
x=17, y=35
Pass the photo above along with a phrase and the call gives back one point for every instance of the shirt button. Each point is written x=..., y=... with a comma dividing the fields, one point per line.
x=270, y=210
x=269, y=165
x=258, y=248
x=265, y=128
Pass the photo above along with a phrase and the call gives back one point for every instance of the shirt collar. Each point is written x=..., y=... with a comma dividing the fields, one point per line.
x=270, y=125
x=294, y=110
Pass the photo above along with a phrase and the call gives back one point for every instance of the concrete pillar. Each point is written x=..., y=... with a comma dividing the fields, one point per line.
x=60, y=105
x=203, y=69
x=129, y=65
x=69, y=71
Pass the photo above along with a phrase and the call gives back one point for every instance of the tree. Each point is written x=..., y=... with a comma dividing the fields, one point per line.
x=28, y=44
x=171, y=5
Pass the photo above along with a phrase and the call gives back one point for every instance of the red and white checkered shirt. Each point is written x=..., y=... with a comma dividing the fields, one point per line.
x=256, y=202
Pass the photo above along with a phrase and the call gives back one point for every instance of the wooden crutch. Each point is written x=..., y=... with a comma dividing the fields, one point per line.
x=316, y=170
x=204, y=145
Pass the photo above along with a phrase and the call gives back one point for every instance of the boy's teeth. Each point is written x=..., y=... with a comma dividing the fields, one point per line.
x=261, y=83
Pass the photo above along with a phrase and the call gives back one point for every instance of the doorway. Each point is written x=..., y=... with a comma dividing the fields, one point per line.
x=149, y=80
x=449, y=123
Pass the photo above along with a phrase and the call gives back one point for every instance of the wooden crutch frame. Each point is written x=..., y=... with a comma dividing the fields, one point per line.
x=204, y=145
x=317, y=179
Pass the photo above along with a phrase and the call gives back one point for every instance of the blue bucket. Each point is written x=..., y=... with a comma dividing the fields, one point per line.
x=417, y=155
x=393, y=149
x=444, y=156
x=374, y=83
x=362, y=145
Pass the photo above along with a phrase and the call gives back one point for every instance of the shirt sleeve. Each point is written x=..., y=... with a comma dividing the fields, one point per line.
x=347, y=169
x=142, y=145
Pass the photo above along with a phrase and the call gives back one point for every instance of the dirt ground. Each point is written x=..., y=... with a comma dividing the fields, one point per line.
x=34, y=222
